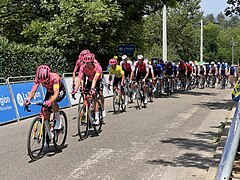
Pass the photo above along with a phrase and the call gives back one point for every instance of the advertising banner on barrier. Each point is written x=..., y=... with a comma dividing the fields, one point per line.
x=20, y=92
x=68, y=81
x=65, y=102
x=7, y=111
x=106, y=91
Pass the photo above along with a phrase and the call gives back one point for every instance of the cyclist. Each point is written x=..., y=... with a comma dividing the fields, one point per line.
x=169, y=72
x=116, y=70
x=140, y=70
x=189, y=72
x=79, y=63
x=213, y=72
x=157, y=70
x=55, y=91
x=126, y=66
x=94, y=83
x=182, y=70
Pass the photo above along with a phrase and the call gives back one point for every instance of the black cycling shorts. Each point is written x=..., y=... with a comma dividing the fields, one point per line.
x=62, y=94
x=98, y=87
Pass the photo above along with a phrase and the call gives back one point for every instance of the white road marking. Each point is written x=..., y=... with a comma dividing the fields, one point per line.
x=84, y=166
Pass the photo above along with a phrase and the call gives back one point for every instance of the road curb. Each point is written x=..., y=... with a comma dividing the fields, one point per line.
x=212, y=171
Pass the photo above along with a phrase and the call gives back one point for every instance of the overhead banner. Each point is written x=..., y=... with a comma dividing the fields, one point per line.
x=7, y=111
x=20, y=92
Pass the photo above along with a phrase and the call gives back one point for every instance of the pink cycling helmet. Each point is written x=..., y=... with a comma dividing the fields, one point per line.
x=89, y=57
x=83, y=53
x=112, y=61
x=43, y=73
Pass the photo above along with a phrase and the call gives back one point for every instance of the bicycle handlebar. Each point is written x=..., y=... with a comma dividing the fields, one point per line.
x=26, y=108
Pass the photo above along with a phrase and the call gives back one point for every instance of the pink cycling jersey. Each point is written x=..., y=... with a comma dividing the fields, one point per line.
x=54, y=79
x=96, y=71
x=80, y=63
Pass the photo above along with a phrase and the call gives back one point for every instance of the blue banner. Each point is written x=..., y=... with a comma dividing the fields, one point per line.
x=65, y=102
x=126, y=49
x=20, y=92
x=7, y=111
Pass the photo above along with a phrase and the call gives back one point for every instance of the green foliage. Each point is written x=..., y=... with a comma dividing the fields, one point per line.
x=19, y=59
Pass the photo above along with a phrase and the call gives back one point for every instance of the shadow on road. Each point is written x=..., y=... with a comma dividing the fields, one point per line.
x=225, y=104
x=189, y=159
x=197, y=93
x=186, y=160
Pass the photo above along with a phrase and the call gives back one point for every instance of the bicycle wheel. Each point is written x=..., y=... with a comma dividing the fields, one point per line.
x=116, y=102
x=139, y=99
x=36, y=139
x=60, y=135
x=97, y=128
x=83, y=122
x=80, y=102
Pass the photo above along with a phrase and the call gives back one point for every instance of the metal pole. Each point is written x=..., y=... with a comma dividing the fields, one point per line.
x=164, y=33
x=232, y=50
x=201, y=45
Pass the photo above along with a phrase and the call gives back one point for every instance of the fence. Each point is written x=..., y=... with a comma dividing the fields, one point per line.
x=230, y=148
x=14, y=90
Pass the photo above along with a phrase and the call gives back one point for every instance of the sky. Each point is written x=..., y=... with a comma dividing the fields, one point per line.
x=213, y=6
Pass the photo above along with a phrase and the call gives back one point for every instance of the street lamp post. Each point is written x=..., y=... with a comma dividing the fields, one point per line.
x=164, y=33
x=201, y=44
x=233, y=45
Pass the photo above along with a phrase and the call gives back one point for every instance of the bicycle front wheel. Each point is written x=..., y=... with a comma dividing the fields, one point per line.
x=97, y=128
x=60, y=135
x=83, y=122
x=116, y=102
x=80, y=102
x=36, y=139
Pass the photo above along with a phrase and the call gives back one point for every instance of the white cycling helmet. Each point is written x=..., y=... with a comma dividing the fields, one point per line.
x=140, y=57
x=124, y=57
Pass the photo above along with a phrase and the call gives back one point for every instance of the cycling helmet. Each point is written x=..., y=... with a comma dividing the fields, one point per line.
x=115, y=57
x=140, y=57
x=124, y=57
x=89, y=58
x=190, y=62
x=43, y=73
x=212, y=63
x=112, y=61
x=83, y=53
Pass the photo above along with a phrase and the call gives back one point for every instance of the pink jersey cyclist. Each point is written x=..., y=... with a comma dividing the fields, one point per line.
x=53, y=82
x=55, y=91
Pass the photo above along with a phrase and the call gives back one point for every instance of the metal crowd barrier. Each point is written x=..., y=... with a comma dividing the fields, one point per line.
x=230, y=148
x=14, y=90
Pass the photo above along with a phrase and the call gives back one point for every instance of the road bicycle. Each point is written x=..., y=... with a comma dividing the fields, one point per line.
x=140, y=95
x=119, y=98
x=41, y=131
x=86, y=115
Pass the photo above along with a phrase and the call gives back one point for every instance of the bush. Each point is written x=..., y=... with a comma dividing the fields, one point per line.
x=21, y=60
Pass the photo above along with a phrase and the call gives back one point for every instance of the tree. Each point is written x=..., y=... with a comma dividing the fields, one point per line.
x=234, y=7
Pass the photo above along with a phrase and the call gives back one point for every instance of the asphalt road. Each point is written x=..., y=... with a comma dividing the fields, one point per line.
x=171, y=139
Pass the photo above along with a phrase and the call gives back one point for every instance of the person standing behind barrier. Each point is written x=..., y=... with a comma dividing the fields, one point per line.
x=55, y=91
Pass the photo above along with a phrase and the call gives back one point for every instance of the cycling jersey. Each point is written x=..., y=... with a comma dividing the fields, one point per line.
x=95, y=72
x=169, y=69
x=150, y=69
x=207, y=69
x=54, y=82
x=182, y=68
x=140, y=68
x=126, y=65
x=232, y=70
x=201, y=71
x=118, y=72
x=189, y=68
x=157, y=70
x=223, y=69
